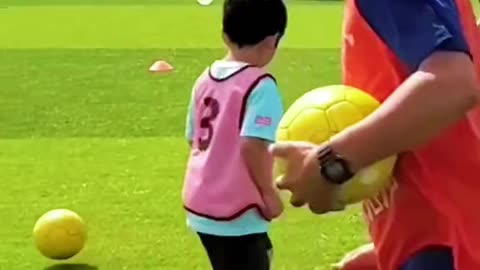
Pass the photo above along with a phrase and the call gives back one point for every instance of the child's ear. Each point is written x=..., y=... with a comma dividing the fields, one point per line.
x=272, y=41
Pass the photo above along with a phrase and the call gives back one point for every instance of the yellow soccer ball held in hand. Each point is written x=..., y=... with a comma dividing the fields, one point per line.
x=323, y=112
x=60, y=234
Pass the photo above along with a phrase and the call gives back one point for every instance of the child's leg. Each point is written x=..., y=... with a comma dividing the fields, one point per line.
x=269, y=246
x=248, y=252
x=361, y=258
x=260, y=252
x=215, y=246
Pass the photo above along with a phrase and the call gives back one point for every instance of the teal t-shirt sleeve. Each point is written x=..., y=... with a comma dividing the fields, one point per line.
x=264, y=111
x=189, y=123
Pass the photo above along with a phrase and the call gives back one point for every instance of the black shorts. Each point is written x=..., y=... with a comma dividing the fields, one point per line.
x=247, y=252
x=436, y=258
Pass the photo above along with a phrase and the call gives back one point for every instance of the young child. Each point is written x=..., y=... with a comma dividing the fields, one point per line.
x=233, y=115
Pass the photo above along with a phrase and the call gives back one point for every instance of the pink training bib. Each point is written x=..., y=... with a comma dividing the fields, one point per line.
x=217, y=182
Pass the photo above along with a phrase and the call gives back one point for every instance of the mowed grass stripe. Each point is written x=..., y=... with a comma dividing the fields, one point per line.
x=110, y=93
x=7, y=3
x=168, y=26
x=128, y=191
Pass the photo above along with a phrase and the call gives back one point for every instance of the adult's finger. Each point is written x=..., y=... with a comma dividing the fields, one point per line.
x=284, y=182
x=338, y=207
x=322, y=209
x=286, y=149
x=281, y=150
x=297, y=199
x=317, y=210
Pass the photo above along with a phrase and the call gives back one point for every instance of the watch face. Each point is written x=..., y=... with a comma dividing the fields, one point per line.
x=335, y=169
x=336, y=172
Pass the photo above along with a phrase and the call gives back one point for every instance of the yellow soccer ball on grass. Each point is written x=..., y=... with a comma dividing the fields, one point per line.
x=323, y=112
x=60, y=234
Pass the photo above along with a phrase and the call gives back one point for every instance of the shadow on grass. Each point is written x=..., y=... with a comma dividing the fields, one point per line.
x=71, y=267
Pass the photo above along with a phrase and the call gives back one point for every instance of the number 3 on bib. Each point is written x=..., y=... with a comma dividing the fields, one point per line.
x=212, y=108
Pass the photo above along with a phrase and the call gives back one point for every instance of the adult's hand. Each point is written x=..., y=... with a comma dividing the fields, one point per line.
x=303, y=179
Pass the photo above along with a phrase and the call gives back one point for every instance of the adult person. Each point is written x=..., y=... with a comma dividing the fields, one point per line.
x=420, y=58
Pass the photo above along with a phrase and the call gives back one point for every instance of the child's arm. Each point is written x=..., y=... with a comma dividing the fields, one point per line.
x=190, y=119
x=256, y=155
x=261, y=119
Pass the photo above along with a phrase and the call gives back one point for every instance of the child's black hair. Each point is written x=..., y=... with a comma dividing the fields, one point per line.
x=248, y=22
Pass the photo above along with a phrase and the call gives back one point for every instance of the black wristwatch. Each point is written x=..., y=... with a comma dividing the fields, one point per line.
x=333, y=167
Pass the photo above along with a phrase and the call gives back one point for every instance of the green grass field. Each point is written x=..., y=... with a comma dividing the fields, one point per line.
x=83, y=125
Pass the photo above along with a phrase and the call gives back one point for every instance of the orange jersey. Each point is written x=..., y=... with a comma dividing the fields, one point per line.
x=436, y=192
